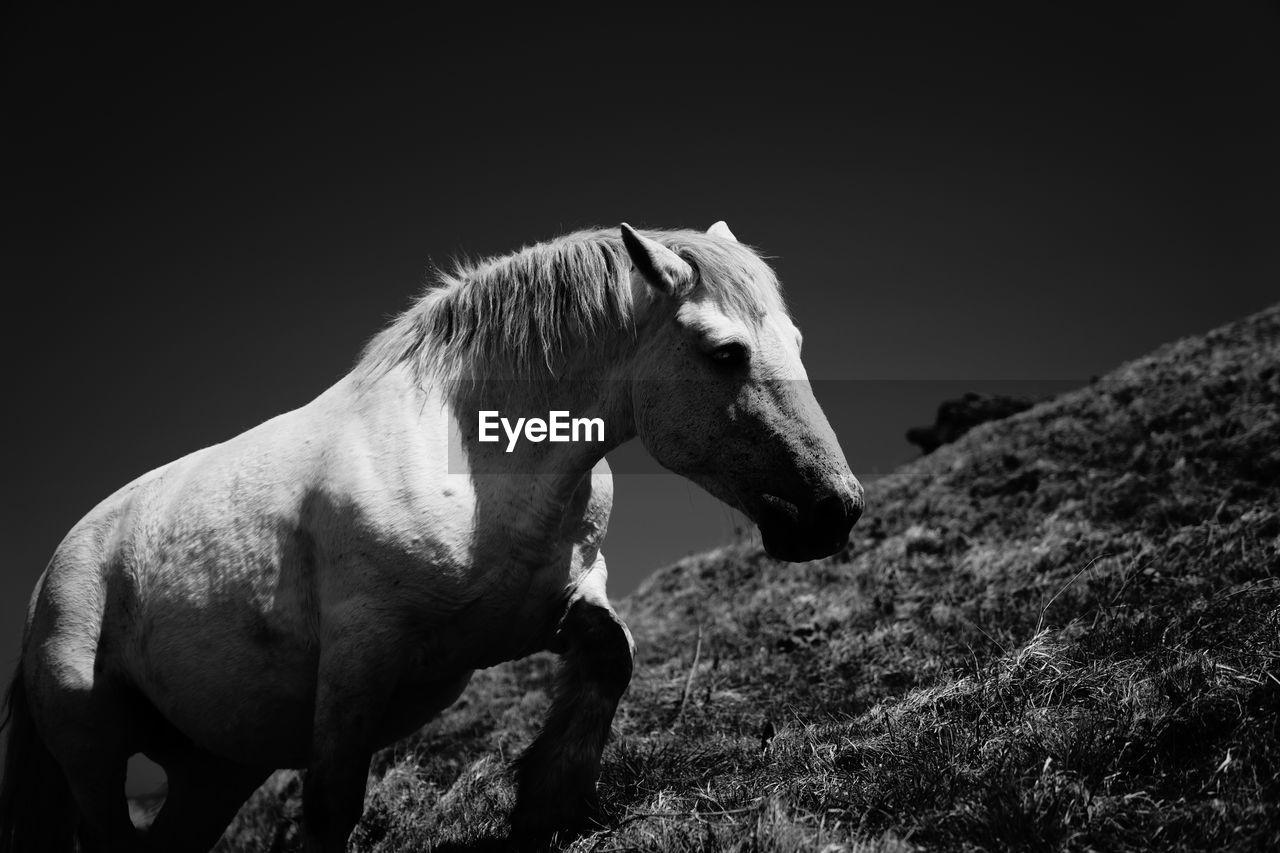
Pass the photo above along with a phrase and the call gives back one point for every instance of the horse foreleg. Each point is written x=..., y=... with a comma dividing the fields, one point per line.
x=333, y=797
x=351, y=694
x=558, y=772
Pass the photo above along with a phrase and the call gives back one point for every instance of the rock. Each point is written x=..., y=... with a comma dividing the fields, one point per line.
x=956, y=417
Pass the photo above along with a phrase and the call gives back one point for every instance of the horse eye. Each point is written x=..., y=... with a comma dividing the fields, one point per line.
x=732, y=354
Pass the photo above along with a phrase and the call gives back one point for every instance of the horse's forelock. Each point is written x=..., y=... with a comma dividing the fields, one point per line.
x=732, y=273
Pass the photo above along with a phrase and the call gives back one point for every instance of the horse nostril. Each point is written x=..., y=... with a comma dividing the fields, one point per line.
x=830, y=512
x=839, y=509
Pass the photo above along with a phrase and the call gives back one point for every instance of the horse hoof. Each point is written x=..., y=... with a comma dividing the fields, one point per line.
x=549, y=828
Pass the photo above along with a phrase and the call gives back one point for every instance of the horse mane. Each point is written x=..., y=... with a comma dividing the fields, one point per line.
x=522, y=316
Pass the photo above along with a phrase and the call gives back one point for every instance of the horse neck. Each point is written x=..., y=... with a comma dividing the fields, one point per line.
x=589, y=388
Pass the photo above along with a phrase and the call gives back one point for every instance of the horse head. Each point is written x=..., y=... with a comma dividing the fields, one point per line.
x=720, y=395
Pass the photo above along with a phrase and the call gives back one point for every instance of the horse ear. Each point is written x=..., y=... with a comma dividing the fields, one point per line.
x=662, y=268
x=721, y=230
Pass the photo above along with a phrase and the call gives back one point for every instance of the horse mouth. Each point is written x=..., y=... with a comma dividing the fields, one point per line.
x=784, y=545
x=798, y=537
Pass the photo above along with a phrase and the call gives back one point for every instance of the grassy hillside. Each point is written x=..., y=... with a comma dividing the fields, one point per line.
x=1061, y=632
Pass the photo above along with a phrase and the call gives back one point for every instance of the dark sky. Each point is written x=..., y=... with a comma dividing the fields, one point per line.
x=204, y=219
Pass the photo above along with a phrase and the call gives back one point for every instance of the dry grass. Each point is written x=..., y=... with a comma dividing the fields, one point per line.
x=1062, y=632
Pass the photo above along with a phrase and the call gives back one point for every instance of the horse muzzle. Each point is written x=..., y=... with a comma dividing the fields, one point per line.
x=820, y=530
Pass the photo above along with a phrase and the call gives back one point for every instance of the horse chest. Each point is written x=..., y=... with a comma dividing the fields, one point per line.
x=521, y=615
x=474, y=575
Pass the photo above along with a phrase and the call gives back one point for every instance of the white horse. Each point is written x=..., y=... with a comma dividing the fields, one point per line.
x=323, y=584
